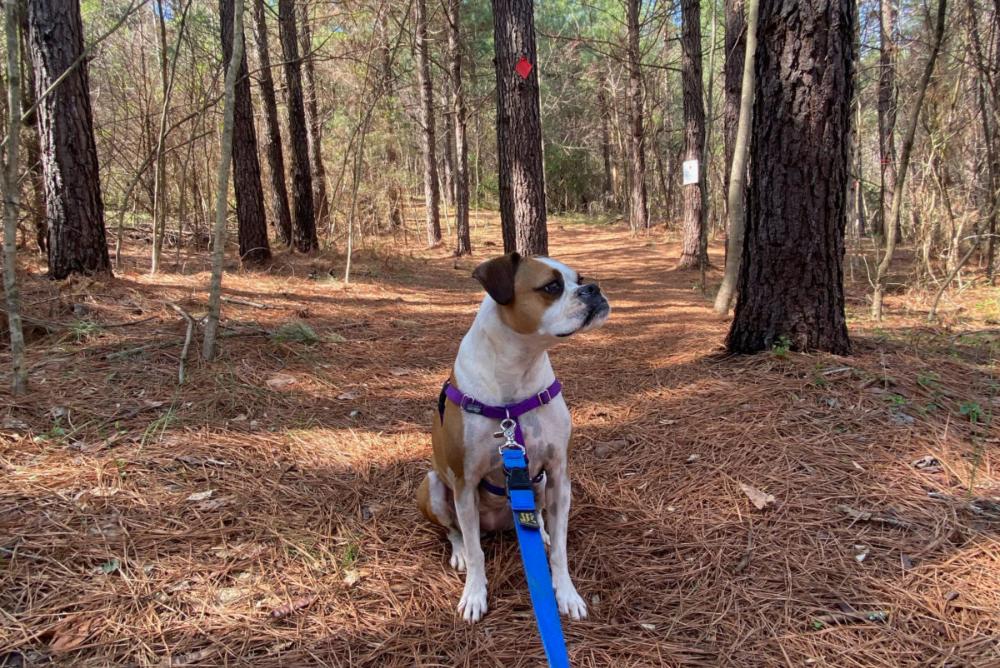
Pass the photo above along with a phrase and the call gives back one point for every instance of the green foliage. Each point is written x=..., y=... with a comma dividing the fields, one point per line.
x=971, y=410
x=781, y=347
x=82, y=330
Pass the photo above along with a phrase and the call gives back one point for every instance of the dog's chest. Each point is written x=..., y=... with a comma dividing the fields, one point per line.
x=546, y=432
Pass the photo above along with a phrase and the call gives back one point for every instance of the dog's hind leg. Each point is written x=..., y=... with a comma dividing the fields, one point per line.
x=435, y=503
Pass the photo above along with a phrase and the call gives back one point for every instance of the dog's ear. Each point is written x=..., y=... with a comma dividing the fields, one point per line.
x=497, y=276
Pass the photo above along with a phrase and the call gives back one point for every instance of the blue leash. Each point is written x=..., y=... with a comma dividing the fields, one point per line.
x=520, y=491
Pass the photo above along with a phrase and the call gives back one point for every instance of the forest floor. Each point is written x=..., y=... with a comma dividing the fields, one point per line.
x=262, y=513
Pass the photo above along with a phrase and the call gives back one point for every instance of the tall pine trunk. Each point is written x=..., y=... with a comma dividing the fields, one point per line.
x=693, y=254
x=250, y=216
x=638, y=205
x=32, y=142
x=11, y=201
x=321, y=204
x=280, y=212
x=886, y=112
x=160, y=169
x=607, y=186
x=463, y=241
x=77, y=240
x=304, y=217
x=432, y=198
x=519, y=130
x=448, y=154
x=791, y=279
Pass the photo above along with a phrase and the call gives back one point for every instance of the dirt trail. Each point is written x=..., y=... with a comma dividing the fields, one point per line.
x=144, y=524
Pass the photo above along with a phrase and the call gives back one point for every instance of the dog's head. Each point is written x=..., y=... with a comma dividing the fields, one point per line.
x=541, y=296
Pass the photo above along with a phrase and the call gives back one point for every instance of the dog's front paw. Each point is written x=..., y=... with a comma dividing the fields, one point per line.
x=570, y=603
x=473, y=604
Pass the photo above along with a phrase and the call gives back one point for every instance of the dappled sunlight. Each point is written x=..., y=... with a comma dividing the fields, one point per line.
x=180, y=518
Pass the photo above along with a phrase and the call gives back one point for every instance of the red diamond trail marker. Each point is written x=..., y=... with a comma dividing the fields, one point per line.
x=523, y=68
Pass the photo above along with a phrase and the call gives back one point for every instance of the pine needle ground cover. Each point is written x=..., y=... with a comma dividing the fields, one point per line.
x=781, y=509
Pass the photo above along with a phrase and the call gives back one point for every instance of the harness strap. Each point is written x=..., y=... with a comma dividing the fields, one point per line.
x=502, y=491
x=512, y=411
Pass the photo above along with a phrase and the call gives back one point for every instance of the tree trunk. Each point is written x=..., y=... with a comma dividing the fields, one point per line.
x=519, y=130
x=73, y=203
x=427, y=136
x=607, y=188
x=990, y=127
x=738, y=170
x=733, y=74
x=464, y=242
x=314, y=127
x=692, y=253
x=892, y=224
x=280, y=213
x=304, y=220
x=886, y=112
x=31, y=141
x=160, y=169
x=638, y=206
x=791, y=280
x=11, y=200
x=235, y=66
x=448, y=158
x=250, y=216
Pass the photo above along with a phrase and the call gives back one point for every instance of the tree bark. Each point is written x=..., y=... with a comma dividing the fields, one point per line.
x=76, y=236
x=738, y=170
x=638, y=205
x=892, y=224
x=304, y=217
x=607, y=188
x=791, y=279
x=250, y=216
x=233, y=69
x=886, y=112
x=280, y=212
x=987, y=91
x=463, y=239
x=160, y=168
x=692, y=253
x=733, y=75
x=432, y=199
x=448, y=157
x=11, y=202
x=314, y=127
x=32, y=141
x=519, y=130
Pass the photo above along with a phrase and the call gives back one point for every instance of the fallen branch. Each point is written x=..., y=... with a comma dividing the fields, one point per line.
x=245, y=302
x=865, y=516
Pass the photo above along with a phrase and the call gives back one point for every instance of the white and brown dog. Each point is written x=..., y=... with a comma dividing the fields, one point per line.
x=531, y=304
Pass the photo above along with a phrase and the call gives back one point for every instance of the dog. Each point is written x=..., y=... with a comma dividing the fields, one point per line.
x=531, y=304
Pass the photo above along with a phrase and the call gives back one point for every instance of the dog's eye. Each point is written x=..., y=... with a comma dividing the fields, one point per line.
x=552, y=288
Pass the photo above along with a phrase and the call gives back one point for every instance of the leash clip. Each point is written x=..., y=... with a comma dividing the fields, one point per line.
x=508, y=431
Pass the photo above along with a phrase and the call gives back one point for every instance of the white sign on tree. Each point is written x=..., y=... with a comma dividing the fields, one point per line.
x=690, y=172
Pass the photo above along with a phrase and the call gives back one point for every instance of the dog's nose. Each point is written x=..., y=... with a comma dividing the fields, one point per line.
x=588, y=291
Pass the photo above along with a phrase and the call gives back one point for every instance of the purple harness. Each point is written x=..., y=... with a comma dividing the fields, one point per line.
x=510, y=411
